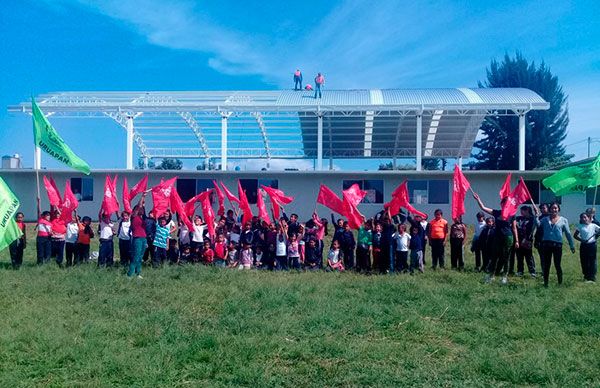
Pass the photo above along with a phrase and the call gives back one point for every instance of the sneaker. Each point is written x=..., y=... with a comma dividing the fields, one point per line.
x=590, y=281
x=139, y=277
x=520, y=274
x=504, y=280
x=534, y=275
x=489, y=279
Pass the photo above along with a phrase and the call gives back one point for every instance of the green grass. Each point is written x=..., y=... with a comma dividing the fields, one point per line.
x=199, y=326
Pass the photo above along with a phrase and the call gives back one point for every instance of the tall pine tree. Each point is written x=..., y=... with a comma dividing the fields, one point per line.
x=545, y=130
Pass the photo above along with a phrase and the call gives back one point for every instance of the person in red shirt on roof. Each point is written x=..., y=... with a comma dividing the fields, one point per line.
x=297, y=80
x=319, y=81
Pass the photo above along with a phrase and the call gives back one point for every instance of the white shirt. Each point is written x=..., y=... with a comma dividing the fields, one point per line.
x=588, y=232
x=106, y=230
x=334, y=256
x=234, y=237
x=172, y=229
x=198, y=233
x=184, y=235
x=72, y=232
x=478, y=228
x=402, y=241
x=281, y=246
x=124, y=230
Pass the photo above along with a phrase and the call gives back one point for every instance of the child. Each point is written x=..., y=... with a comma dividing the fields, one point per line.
x=186, y=255
x=281, y=247
x=258, y=257
x=486, y=241
x=376, y=246
x=124, y=235
x=458, y=236
x=348, y=245
x=58, y=234
x=184, y=236
x=105, y=256
x=416, y=250
x=312, y=258
x=17, y=247
x=587, y=233
x=220, y=251
x=293, y=252
x=476, y=248
x=335, y=257
x=401, y=241
x=246, y=257
x=232, y=255
x=197, y=240
x=83, y=240
x=150, y=228
x=208, y=255
x=44, y=230
x=234, y=235
x=71, y=240
x=160, y=242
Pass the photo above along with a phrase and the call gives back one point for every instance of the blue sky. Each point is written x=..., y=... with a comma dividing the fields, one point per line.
x=186, y=45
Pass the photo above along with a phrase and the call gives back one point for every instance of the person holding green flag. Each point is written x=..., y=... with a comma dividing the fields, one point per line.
x=49, y=141
x=9, y=230
x=575, y=178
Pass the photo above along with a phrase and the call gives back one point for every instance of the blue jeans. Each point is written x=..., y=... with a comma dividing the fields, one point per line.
x=105, y=256
x=43, y=246
x=317, y=90
x=139, y=247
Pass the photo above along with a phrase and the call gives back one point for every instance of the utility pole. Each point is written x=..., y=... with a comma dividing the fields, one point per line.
x=589, y=142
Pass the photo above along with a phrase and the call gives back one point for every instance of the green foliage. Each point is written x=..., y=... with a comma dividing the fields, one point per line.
x=390, y=166
x=201, y=326
x=170, y=164
x=545, y=130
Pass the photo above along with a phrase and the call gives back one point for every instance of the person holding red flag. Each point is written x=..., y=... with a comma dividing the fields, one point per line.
x=505, y=235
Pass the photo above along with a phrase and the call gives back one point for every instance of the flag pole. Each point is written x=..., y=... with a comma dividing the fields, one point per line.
x=593, y=203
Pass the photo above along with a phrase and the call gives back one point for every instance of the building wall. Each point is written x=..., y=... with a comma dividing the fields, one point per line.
x=302, y=185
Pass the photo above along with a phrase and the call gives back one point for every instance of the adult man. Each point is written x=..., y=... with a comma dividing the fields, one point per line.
x=319, y=81
x=297, y=80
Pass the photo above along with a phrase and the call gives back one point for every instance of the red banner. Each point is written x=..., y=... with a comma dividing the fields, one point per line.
x=126, y=196
x=244, y=205
x=139, y=188
x=262, y=209
x=161, y=196
x=209, y=215
x=52, y=191
x=400, y=199
x=459, y=192
x=178, y=207
x=110, y=204
x=69, y=203
x=505, y=190
x=351, y=199
x=229, y=194
x=221, y=198
x=519, y=196
x=329, y=199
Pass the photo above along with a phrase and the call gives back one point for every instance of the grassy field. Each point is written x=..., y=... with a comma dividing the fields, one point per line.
x=200, y=326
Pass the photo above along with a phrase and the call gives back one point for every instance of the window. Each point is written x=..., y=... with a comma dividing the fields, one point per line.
x=83, y=188
x=590, y=194
x=422, y=192
x=539, y=193
x=250, y=186
x=186, y=188
x=373, y=187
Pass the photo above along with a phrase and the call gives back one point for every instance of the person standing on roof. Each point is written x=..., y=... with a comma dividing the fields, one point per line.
x=297, y=80
x=319, y=81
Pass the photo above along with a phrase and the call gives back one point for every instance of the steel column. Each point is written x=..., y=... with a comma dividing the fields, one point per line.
x=419, y=140
x=129, y=129
x=521, y=141
x=224, y=118
x=319, y=141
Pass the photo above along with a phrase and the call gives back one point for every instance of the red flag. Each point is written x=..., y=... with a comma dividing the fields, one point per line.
x=126, y=197
x=220, y=197
x=505, y=190
x=161, y=196
x=519, y=195
x=139, y=187
x=351, y=199
x=229, y=194
x=262, y=210
x=69, y=203
x=209, y=215
x=110, y=204
x=459, y=192
x=400, y=199
x=277, y=198
x=329, y=199
x=190, y=207
x=244, y=205
x=178, y=207
x=52, y=191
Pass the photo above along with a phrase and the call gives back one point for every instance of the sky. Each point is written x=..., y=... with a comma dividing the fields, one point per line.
x=71, y=45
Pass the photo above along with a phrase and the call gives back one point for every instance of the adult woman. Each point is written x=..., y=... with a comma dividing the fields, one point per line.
x=458, y=236
x=139, y=236
x=553, y=227
x=524, y=246
x=505, y=235
x=437, y=231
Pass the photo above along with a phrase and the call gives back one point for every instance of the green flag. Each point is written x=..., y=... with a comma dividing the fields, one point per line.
x=9, y=231
x=46, y=137
x=575, y=178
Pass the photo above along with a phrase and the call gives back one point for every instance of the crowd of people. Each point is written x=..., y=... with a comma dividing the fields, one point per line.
x=385, y=243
